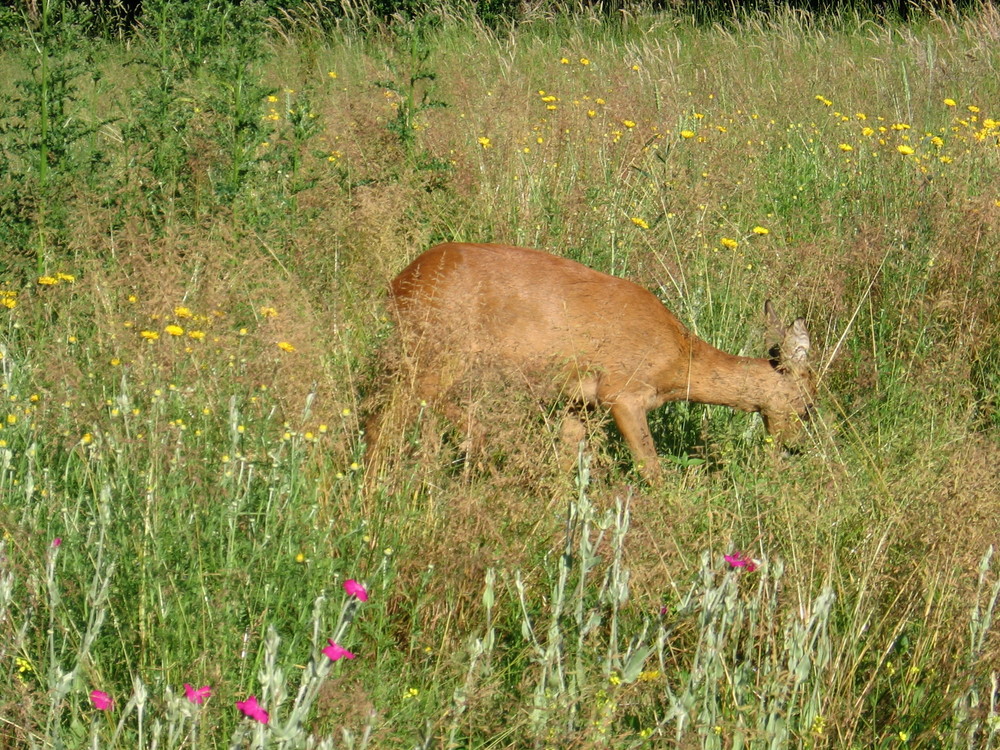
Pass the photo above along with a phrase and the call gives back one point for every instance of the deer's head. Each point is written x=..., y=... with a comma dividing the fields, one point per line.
x=789, y=407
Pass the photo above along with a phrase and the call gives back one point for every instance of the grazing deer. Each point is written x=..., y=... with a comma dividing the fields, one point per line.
x=608, y=341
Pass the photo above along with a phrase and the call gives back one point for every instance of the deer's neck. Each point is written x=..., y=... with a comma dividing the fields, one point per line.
x=711, y=376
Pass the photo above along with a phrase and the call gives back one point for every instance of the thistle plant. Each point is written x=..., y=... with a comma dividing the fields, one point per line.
x=413, y=81
x=45, y=137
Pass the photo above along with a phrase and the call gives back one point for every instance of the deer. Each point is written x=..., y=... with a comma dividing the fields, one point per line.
x=601, y=340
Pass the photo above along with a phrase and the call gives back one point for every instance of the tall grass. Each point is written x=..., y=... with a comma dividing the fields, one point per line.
x=192, y=330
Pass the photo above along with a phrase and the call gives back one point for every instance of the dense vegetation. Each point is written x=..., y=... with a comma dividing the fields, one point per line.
x=199, y=218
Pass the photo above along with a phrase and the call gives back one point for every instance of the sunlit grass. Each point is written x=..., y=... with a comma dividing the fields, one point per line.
x=185, y=515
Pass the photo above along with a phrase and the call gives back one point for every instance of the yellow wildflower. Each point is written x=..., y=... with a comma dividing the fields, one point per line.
x=285, y=346
x=174, y=330
x=641, y=223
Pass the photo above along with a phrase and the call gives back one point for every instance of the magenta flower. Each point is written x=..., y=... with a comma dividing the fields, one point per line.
x=335, y=652
x=353, y=588
x=57, y=541
x=250, y=707
x=101, y=700
x=197, y=695
x=740, y=560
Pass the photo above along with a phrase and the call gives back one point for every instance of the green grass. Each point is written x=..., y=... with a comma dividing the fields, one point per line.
x=223, y=202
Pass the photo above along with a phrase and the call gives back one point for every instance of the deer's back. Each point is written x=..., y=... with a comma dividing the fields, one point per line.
x=527, y=306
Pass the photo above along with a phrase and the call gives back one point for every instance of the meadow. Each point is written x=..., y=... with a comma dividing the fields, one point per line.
x=199, y=221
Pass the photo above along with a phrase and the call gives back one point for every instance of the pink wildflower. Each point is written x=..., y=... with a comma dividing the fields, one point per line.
x=335, y=652
x=101, y=700
x=57, y=541
x=197, y=695
x=353, y=588
x=250, y=707
x=740, y=560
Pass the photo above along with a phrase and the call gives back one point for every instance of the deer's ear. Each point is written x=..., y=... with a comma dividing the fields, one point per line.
x=775, y=331
x=795, y=346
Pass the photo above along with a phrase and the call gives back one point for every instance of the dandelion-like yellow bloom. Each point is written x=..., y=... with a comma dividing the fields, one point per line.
x=687, y=134
x=174, y=330
x=183, y=312
x=905, y=150
x=67, y=277
x=628, y=123
x=761, y=230
x=197, y=335
x=285, y=346
x=564, y=60
x=332, y=74
x=484, y=141
x=48, y=280
x=846, y=147
x=641, y=223
x=149, y=335
x=730, y=243
x=584, y=61
x=949, y=103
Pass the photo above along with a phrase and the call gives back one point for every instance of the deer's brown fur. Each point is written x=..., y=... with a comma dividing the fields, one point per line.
x=611, y=342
